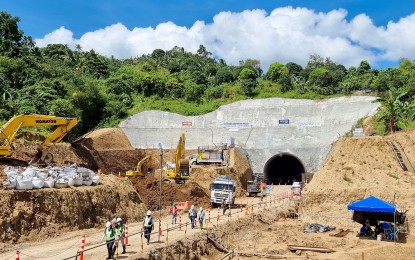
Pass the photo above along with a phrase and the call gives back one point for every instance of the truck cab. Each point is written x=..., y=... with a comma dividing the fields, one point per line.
x=296, y=188
x=222, y=188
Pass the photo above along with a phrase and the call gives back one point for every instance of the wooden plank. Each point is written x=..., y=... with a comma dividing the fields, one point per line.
x=271, y=256
x=307, y=248
x=229, y=255
x=217, y=245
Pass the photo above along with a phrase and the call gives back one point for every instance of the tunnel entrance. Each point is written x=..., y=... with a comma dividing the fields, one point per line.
x=283, y=168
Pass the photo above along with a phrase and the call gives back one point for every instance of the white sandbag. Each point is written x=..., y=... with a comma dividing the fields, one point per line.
x=37, y=182
x=24, y=184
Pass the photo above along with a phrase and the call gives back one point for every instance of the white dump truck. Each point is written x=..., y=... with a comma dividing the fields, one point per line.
x=222, y=188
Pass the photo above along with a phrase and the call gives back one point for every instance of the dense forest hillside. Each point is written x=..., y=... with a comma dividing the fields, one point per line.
x=101, y=91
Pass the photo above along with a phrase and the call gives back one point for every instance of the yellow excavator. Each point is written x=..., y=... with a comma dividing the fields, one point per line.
x=9, y=130
x=138, y=171
x=179, y=171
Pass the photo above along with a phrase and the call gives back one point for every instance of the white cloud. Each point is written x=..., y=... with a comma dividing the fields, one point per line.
x=286, y=34
x=61, y=35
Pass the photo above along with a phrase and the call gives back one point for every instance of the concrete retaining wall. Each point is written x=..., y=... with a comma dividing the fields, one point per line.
x=263, y=127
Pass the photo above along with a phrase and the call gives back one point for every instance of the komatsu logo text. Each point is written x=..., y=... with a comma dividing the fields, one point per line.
x=46, y=121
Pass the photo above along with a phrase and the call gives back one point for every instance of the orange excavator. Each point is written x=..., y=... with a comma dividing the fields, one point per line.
x=9, y=130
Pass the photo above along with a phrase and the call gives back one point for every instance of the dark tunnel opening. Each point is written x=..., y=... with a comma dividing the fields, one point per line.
x=283, y=168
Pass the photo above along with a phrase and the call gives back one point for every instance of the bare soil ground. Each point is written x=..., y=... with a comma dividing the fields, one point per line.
x=360, y=167
x=354, y=169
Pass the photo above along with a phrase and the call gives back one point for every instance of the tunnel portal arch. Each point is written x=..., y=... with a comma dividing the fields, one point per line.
x=283, y=168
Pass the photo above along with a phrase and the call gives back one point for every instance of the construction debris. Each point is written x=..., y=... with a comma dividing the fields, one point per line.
x=313, y=228
x=217, y=244
x=270, y=256
x=307, y=248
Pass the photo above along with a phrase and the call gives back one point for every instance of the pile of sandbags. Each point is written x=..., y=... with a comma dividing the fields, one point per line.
x=32, y=177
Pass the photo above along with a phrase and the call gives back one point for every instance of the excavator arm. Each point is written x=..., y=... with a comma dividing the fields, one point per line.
x=180, y=152
x=9, y=130
x=180, y=171
x=182, y=163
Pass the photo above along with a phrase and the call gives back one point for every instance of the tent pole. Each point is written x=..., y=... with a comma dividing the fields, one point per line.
x=394, y=220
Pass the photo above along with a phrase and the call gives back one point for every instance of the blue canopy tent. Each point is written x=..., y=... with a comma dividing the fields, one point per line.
x=372, y=209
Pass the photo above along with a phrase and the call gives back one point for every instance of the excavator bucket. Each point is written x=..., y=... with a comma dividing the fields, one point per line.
x=42, y=157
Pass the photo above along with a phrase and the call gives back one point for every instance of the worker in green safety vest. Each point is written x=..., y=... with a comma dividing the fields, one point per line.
x=121, y=233
x=109, y=235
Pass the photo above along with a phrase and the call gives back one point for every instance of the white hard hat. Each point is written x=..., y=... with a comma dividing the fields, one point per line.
x=119, y=219
x=149, y=213
x=108, y=224
x=114, y=221
x=201, y=208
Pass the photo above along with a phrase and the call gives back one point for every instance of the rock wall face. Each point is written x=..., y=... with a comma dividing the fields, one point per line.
x=263, y=127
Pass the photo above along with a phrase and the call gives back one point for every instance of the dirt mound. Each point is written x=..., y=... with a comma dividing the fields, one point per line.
x=107, y=139
x=149, y=190
x=360, y=167
x=39, y=214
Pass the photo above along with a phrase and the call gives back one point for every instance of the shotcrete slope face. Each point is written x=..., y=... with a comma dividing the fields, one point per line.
x=282, y=137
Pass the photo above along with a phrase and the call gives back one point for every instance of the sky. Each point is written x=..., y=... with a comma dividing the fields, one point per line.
x=346, y=31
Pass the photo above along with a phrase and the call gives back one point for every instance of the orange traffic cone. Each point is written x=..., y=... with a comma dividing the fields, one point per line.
x=119, y=175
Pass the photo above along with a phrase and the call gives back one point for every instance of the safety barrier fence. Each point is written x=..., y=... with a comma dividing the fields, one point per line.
x=245, y=210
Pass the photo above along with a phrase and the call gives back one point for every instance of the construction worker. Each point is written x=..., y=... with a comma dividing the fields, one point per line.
x=109, y=235
x=173, y=212
x=117, y=236
x=192, y=215
x=121, y=232
x=262, y=193
x=223, y=206
x=201, y=217
x=148, y=226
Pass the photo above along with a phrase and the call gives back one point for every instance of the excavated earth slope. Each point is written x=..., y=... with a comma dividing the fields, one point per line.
x=360, y=167
x=32, y=215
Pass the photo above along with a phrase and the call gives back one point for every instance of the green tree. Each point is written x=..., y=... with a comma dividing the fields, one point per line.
x=364, y=67
x=276, y=71
x=393, y=109
x=10, y=35
x=37, y=97
x=202, y=51
x=62, y=107
x=90, y=103
x=294, y=68
x=251, y=63
x=247, y=79
x=223, y=75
